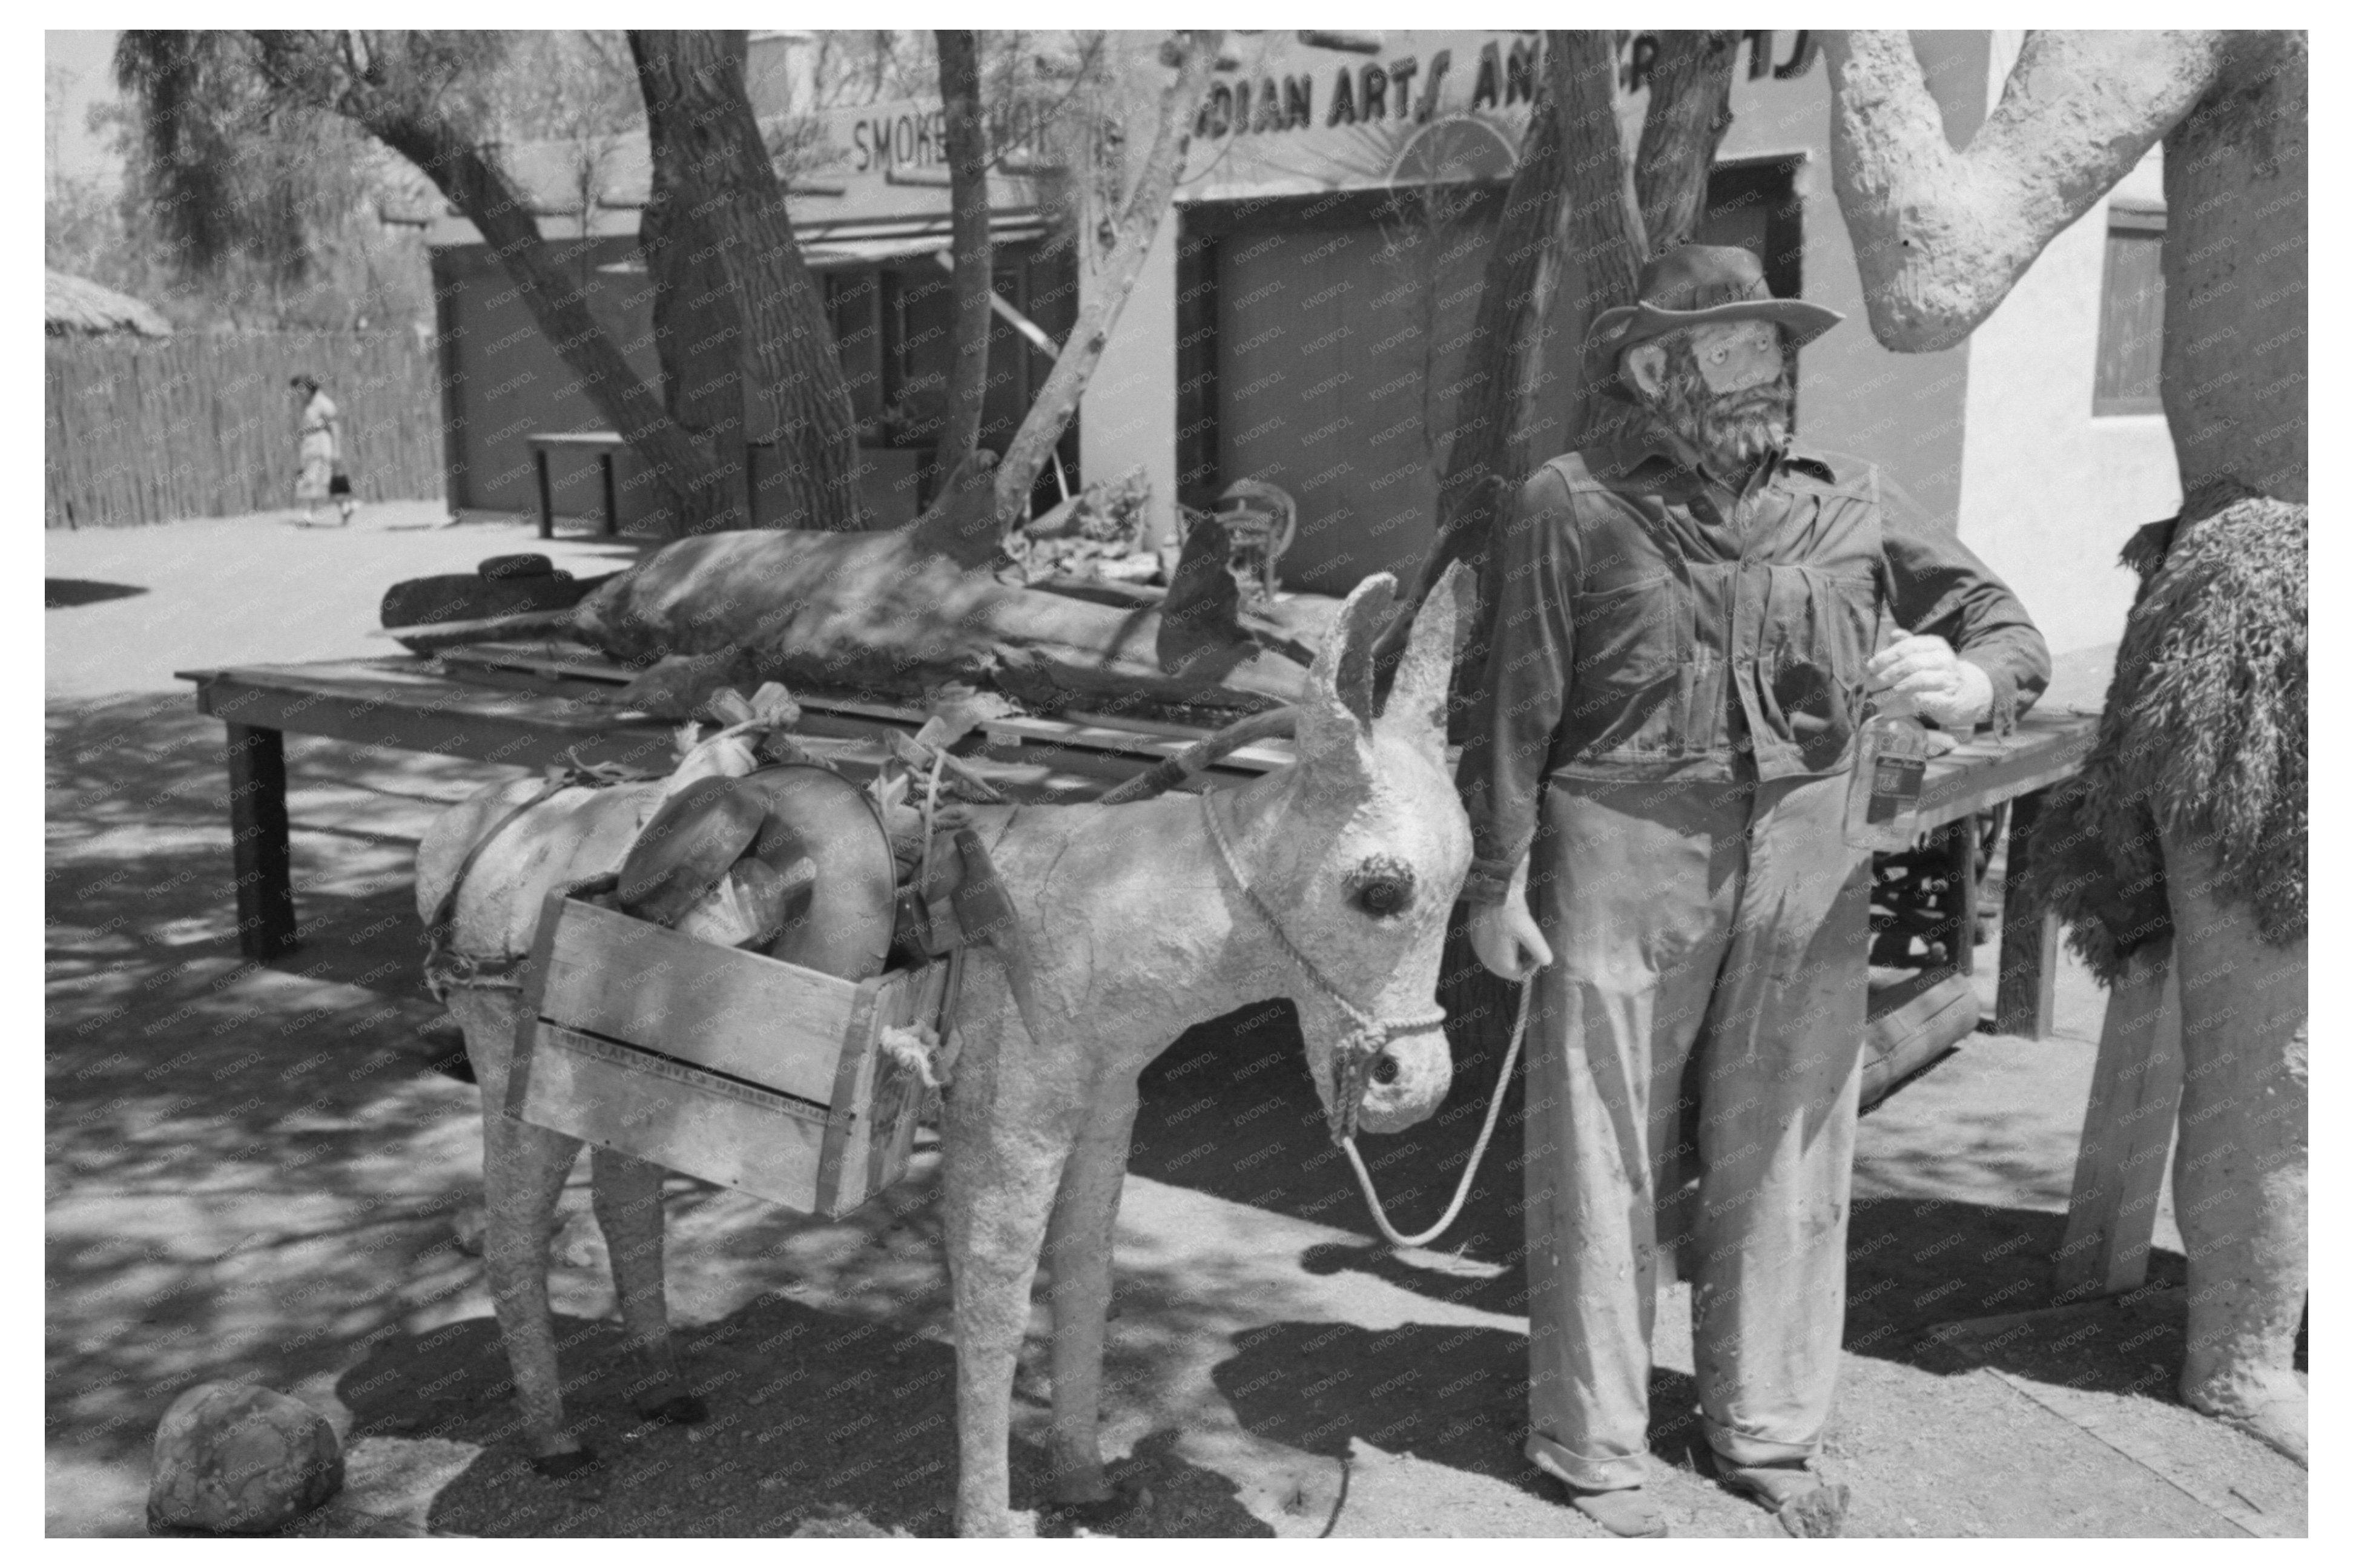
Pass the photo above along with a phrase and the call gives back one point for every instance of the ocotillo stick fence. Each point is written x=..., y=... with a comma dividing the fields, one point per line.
x=203, y=425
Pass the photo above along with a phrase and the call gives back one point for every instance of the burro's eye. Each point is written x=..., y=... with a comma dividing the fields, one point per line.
x=1381, y=885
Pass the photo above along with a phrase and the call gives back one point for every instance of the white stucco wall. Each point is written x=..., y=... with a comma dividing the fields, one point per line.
x=2050, y=494
x=1997, y=436
x=1128, y=415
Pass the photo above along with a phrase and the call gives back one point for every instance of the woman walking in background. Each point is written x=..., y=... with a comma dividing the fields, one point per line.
x=321, y=450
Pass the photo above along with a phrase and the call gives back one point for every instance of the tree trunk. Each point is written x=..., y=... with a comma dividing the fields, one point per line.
x=720, y=168
x=1561, y=208
x=1604, y=223
x=697, y=329
x=1940, y=235
x=555, y=301
x=1691, y=109
x=2236, y=172
x=1137, y=224
x=968, y=151
x=1488, y=447
x=1596, y=234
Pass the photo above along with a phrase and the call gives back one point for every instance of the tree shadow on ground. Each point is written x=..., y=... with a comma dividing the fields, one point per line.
x=1447, y=1393
x=1228, y=1110
x=815, y=1417
x=70, y=593
x=249, y=1165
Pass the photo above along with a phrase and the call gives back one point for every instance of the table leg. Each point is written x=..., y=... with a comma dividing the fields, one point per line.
x=257, y=835
x=612, y=504
x=1964, y=934
x=2128, y=1133
x=2030, y=937
x=546, y=495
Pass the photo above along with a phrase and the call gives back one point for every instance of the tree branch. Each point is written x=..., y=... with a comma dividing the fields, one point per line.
x=1568, y=213
x=1138, y=223
x=721, y=168
x=1690, y=110
x=1604, y=241
x=555, y=301
x=1940, y=235
x=1488, y=443
x=967, y=152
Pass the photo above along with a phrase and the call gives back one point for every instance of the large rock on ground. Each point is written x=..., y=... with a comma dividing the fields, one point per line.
x=238, y=1458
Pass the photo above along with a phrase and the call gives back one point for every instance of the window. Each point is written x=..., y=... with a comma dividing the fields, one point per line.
x=2132, y=312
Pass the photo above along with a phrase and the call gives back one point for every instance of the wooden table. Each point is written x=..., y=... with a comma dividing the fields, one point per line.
x=1916, y=1021
x=530, y=705
x=604, y=442
x=2044, y=749
x=533, y=705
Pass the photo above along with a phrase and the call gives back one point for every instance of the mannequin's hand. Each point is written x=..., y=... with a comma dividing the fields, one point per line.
x=1506, y=937
x=1922, y=675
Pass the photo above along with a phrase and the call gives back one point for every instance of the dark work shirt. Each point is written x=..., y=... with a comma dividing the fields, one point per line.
x=1652, y=623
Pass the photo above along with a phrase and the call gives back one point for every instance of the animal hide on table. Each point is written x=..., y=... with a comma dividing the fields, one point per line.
x=882, y=613
x=2205, y=731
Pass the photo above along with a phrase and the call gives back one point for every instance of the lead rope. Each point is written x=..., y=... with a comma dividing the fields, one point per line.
x=1478, y=1150
x=1368, y=1040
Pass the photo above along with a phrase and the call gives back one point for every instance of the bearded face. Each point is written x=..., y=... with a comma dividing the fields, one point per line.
x=1731, y=429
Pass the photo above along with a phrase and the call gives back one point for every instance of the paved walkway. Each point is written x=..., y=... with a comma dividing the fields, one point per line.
x=253, y=1174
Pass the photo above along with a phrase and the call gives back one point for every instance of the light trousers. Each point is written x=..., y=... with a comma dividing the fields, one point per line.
x=1722, y=926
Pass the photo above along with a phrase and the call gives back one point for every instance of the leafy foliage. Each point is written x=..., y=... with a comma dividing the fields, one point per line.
x=239, y=207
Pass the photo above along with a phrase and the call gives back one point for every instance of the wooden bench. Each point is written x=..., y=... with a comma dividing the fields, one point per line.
x=891, y=477
x=605, y=443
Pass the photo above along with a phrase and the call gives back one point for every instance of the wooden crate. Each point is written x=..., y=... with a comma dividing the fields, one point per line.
x=725, y=1064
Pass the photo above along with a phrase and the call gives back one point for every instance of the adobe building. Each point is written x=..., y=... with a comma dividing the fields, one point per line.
x=1300, y=318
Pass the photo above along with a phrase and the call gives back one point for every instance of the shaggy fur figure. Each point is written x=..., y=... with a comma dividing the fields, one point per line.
x=2204, y=731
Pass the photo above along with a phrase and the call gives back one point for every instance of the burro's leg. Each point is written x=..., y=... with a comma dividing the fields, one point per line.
x=1009, y=1126
x=628, y=1193
x=2239, y=1182
x=523, y=1168
x=1079, y=1262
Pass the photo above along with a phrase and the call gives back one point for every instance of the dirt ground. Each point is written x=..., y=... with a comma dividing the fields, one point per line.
x=253, y=1171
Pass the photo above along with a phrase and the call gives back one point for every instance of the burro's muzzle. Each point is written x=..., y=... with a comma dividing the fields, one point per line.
x=1382, y=1075
x=1406, y=1081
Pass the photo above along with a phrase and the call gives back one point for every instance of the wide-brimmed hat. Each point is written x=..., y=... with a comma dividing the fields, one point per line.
x=1691, y=286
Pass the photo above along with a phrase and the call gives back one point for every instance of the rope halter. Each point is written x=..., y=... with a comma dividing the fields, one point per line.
x=1353, y=1058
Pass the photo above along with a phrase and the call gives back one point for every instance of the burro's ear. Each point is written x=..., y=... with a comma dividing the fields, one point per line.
x=1417, y=704
x=1337, y=716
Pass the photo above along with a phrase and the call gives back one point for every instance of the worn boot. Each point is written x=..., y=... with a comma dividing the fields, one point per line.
x=1805, y=1505
x=1628, y=1512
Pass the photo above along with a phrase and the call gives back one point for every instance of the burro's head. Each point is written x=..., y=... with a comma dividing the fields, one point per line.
x=1364, y=859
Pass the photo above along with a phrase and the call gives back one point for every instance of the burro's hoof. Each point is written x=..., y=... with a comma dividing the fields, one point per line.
x=679, y=1410
x=1094, y=1514
x=998, y=1524
x=561, y=1466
